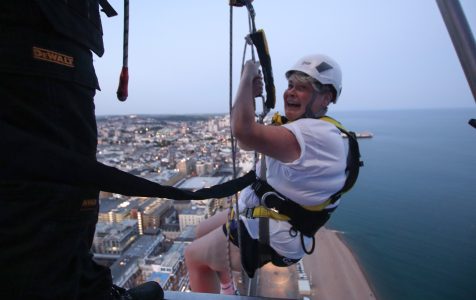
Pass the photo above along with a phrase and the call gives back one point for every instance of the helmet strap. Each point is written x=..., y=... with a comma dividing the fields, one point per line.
x=309, y=113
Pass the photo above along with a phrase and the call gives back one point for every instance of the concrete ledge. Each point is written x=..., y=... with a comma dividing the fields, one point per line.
x=169, y=295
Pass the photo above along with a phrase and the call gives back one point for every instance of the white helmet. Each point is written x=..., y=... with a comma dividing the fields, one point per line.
x=322, y=68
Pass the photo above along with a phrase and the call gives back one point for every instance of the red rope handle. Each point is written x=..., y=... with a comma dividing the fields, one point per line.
x=122, y=90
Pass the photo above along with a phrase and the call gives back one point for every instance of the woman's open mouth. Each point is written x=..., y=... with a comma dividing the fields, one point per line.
x=293, y=104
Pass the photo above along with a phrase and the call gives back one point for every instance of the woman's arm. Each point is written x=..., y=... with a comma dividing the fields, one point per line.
x=274, y=141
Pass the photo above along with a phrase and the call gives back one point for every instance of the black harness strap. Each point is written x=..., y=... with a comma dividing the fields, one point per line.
x=306, y=221
x=107, y=8
x=48, y=162
x=353, y=164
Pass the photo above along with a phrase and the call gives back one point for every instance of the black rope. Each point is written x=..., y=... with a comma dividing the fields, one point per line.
x=233, y=148
x=122, y=90
x=125, y=46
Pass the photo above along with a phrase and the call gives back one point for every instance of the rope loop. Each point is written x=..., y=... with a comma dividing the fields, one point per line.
x=304, y=246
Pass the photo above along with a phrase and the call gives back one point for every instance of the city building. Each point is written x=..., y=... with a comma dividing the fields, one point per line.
x=116, y=210
x=169, y=225
x=199, y=182
x=166, y=176
x=126, y=271
x=151, y=216
x=186, y=166
x=143, y=239
x=112, y=239
x=167, y=268
x=192, y=216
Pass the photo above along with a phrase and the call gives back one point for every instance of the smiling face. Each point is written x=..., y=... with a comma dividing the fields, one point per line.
x=296, y=98
x=301, y=98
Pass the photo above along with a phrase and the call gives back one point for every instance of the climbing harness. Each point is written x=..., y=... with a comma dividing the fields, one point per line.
x=122, y=90
x=305, y=220
x=257, y=253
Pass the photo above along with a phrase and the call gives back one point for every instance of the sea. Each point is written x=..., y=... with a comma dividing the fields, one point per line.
x=410, y=220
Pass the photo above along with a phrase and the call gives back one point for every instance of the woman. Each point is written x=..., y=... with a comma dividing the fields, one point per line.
x=305, y=161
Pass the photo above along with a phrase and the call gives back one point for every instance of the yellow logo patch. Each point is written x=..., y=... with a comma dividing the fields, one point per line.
x=53, y=57
x=88, y=204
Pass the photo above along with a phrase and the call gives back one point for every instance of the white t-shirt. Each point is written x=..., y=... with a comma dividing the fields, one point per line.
x=309, y=180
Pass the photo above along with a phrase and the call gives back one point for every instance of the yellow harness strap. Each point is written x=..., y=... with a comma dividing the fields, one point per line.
x=333, y=122
x=277, y=119
x=263, y=212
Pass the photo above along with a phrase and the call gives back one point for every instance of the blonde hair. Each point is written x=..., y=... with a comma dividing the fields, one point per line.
x=318, y=87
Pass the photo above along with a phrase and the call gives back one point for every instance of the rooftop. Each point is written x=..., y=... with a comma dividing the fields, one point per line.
x=121, y=265
x=194, y=210
x=160, y=277
x=142, y=245
x=196, y=183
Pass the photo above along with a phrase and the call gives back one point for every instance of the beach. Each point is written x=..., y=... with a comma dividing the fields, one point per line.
x=333, y=270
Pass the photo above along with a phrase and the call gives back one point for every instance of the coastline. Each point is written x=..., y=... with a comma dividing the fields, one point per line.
x=334, y=271
x=340, y=236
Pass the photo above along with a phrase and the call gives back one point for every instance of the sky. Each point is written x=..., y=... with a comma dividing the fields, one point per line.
x=394, y=54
